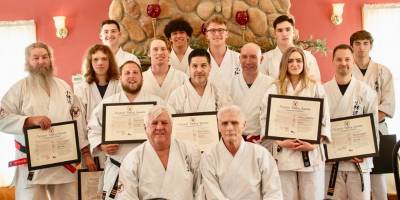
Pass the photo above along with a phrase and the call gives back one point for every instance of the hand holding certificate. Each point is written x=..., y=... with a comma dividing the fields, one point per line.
x=200, y=128
x=352, y=137
x=291, y=117
x=55, y=146
x=123, y=122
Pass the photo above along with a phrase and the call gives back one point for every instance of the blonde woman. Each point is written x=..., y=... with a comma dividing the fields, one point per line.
x=299, y=178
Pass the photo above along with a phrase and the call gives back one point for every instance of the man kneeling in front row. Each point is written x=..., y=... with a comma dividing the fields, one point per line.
x=160, y=168
x=235, y=169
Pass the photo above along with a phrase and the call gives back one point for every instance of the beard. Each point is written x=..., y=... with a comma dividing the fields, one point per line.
x=132, y=90
x=42, y=70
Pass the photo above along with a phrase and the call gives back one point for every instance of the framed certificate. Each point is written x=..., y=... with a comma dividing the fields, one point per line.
x=291, y=117
x=124, y=123
x=88, y=183
x=352, y=136
x=55, y=146
x=200, y=128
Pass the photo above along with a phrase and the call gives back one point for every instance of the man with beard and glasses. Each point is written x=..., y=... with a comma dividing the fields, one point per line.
x=161, y=79
x=39, y=100
x=110, y=35
x=197, y=94
x=131, y=81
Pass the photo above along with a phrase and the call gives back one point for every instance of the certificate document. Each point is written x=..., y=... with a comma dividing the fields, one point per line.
x=200, y=128
x=55, y=146
x=88, y=183
x=352, y=136
x=124, y=123
x=291, y=117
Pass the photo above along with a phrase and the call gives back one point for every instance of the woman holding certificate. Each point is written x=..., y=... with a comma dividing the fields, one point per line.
x=300, y=163
x=101, y=80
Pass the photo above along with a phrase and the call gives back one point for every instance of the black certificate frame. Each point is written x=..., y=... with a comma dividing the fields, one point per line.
x=80, y=171
x=373, y=132
x=319, y=112
x=28, y=154
x=199, y=114
x=103, y=125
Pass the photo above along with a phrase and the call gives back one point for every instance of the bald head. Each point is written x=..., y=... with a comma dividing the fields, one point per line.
x=250, y=58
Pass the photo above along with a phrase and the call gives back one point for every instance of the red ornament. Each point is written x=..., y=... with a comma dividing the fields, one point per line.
x=153, y=10
x=242, y=17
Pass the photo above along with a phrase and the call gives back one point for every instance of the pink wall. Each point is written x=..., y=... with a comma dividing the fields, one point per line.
x=83, y=18
x=313, y=18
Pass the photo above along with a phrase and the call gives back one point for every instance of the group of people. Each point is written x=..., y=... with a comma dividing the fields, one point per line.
x=244, y=164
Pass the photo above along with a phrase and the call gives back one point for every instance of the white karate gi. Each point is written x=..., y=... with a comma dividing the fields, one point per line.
x=379, y=78
x=249, y=99
x=272, y=59
x=299, y=182
x=173, y=79
x=180, y=65
x=95, y=134
x=250, y=174
x=142, y=175
x=27, y=98
x=185, y=99
x=122, y=56
x=222, y=75
x=358, y=99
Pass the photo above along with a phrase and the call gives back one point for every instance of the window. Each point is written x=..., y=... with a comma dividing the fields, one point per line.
x=14, y=37
x=383, y=22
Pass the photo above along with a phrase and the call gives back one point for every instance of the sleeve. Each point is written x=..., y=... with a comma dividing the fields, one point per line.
x=326, y=119
x=77, y=114
x=387, y=98
x=95, y=128
x=11, y=119
x=313, y=67
x=173, y=101
x=270, y=181
x=128, y=178
x=372, y=107
x=210, y=181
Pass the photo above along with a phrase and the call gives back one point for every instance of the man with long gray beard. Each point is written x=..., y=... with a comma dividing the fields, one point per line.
x=40, y=100
x=131, y=81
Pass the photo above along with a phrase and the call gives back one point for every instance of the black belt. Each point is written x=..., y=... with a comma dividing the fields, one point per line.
x=334, y=172
x=114, y=190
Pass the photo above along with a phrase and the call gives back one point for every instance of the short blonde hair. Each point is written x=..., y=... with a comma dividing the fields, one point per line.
x=155, y=112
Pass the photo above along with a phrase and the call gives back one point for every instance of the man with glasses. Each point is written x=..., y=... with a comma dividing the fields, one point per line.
x=224, y=62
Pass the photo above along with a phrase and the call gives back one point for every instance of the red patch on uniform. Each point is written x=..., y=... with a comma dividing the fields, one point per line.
x=3, y=113
x=75, y=111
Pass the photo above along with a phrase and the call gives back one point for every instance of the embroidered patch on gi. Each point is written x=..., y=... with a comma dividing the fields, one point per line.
x=68, y=95
x=120, y=187
x=75, y=112
x=3, y=113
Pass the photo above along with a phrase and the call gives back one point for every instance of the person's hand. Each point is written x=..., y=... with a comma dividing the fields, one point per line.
x=42, y=121
x=304, y=146
x=109, y=148
x=289, y=143
x=89, y=162
x=357, y=160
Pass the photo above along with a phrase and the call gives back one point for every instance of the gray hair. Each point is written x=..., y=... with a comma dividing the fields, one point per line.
x=232, y=108
x=155, y=112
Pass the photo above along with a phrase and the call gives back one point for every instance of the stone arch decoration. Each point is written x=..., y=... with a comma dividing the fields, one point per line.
x=136, y=25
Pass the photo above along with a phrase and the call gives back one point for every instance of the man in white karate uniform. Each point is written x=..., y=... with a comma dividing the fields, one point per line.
x=161, y=79
x=348, y=96
x=39, y=100
x=101, y=81
x=162, y=167
x=131, y=82
x=110, y=34
x=284, y=34
x=235, y=169
x=178, y=32
x=224, y=62
x=379, y=78
x=197, y=94
x=248, y=89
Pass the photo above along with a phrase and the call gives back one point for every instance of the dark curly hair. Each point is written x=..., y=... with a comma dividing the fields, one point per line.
x=178, y=25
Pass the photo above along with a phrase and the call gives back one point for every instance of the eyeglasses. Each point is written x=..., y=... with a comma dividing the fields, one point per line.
x=217, y=30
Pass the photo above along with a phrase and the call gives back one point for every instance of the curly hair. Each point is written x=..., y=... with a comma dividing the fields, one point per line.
x=178, y=25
